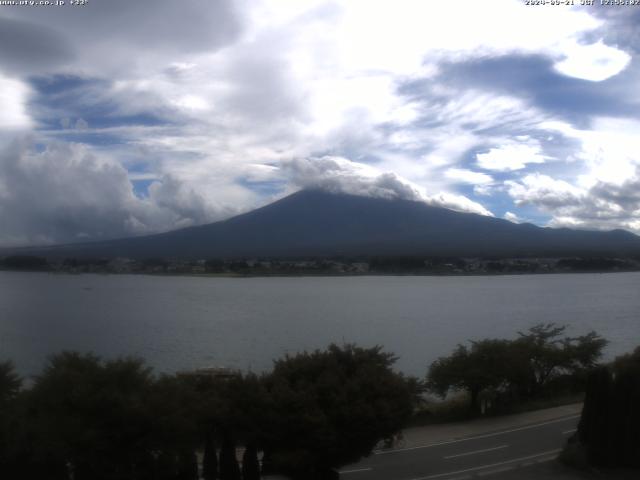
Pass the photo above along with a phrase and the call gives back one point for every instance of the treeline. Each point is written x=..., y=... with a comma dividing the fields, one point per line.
x=497, y=373
x=384, y=265
x=609, y=430
x=24, y=262
x=84, y=418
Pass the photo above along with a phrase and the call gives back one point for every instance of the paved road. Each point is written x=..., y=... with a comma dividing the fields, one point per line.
x=464, y=458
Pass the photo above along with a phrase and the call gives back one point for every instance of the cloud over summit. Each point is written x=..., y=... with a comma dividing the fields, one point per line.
x=194, y=111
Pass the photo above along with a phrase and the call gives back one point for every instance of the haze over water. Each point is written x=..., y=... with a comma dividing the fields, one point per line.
x=188, y=322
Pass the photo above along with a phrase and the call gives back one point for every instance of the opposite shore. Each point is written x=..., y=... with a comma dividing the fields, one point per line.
x=258, y=267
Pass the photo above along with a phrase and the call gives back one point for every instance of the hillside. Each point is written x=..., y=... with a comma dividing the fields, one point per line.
x=319, y=224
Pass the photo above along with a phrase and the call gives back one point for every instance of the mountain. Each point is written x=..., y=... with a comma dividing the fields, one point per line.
x=312, y=223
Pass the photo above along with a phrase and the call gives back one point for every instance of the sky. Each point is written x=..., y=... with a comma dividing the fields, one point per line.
x=122, y=118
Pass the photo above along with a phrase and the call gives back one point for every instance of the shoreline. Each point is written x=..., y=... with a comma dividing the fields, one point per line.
x=323, y=274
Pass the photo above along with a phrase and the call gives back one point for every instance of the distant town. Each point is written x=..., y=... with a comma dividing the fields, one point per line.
x=322, y=266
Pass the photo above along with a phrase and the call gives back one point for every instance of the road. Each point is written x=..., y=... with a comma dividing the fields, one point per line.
x=464, y=458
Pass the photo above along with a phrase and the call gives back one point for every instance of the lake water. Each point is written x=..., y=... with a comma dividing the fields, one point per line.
x=186, y=322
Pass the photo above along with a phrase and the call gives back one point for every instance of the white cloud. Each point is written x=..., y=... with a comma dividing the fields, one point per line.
x=67, y=192
x=609, y=150
x=511, y=156
x=601, y=206
x=468, y=176
x=595, y=62
x=245, y=86
x=13, y=99
x=339, y=175
x=457, y=202
x=544, y=191
x=512, y=217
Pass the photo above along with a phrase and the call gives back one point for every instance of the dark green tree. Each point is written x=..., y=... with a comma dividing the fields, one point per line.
x=229, y=468
x=187, y=465
x=483, y=366
x=250, y=463
x=329, y=408
x=609, y=428
x=543, y=353
x=594, y=428
x=10, y=383
x=92, y=415
x=517, y=369
x=210, y=458
x=167, y=465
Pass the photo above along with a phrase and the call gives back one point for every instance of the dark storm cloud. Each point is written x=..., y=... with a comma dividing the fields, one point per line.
x=26, y=47
x=181, y=26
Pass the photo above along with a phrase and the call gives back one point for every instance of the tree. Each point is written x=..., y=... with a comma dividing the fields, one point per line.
x=481, y=367
x=92, y=415
x=522, y=368
x=595, y=421
x=329, y=408
x=609, y=428
x=210, y=458
x=229, y=468
x=10, y=382
x=187, y=465
x=541, y=354
x=250, y=464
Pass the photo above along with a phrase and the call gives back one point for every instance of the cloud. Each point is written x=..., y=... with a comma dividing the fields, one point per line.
x=543, y=191
x=512, y=156
x=603, y=206
x=27, y=47
x=512, y=217
x=66, y=192
x=595, y=62
x=339, y=175
x=204, y=104
x=468, y=176
x=532, y=79
x=147, y=33
x=13, y=100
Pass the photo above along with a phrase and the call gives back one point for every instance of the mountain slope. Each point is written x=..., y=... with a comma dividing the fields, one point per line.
x=314, y=223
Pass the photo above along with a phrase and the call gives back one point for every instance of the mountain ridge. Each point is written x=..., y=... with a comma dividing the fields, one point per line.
x=313, y=223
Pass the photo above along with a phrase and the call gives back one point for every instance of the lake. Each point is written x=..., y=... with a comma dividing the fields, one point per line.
x=179, y=323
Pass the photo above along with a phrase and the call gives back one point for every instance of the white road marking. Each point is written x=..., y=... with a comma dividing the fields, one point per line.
x=476, y=451
x=496, y=470
x=449, y=442
x=567, y=432
x=356, y=470
x=482, y=467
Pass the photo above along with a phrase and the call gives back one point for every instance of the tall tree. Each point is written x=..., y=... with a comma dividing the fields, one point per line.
x=229, y=468
x=595, y=423
x=544, y=353
x=92, y=414
x=481, y=367
x=210, y=458
x=331, y=407
x=609, y=427
x=10, y=383
x=522, y=367
x=250, y=464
